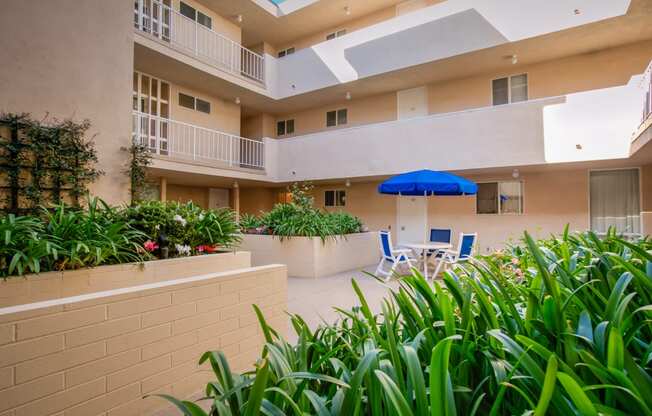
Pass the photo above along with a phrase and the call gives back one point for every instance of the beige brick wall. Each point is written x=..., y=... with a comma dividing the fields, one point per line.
x=55, y=285
x=100, y=353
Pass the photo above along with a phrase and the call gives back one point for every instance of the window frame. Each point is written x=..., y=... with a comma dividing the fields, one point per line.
x=196, y=13
x=498, y=202
x=509, y=88
x=336, y=34
x=285, y=124
x=336, y=199
x=285, y=52
x=194, y=101
x=337, y=117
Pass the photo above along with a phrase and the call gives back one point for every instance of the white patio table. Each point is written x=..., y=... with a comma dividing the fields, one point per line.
x=424, y=248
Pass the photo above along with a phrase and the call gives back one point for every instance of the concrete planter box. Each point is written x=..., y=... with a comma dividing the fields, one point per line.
x=310, y=257
x=57, y=285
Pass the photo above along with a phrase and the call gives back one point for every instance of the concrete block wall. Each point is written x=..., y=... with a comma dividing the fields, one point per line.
x=100, y=353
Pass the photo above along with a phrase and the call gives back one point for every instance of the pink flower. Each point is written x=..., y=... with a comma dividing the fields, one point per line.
x=150, y=245
x=201, y=248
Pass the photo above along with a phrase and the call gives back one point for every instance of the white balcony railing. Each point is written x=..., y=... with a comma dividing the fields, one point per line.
x=168, y=25
x=185, y=142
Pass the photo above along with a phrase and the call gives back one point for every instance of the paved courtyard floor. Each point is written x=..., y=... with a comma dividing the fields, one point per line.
x=314, y=299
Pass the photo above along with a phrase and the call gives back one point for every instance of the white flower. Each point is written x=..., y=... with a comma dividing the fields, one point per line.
x=158, y=227
x=201, y=217
x=178, y=218
x=183, y=250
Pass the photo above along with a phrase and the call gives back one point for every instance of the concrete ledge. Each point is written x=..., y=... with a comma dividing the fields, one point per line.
x=309, y=257
x=55, y=285
x=100, y=353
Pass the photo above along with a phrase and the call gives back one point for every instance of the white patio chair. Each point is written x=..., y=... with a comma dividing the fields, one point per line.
x=395, y=257
x=463, y=253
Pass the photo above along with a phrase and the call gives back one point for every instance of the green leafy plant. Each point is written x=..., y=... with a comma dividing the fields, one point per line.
x=555, y=327
x=141, y=158
x=184, y=224
x=300, y=218
x=46, y=162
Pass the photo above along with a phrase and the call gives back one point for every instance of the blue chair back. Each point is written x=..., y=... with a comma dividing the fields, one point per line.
x=466, y=245
x=386, y=244
x=440, y=235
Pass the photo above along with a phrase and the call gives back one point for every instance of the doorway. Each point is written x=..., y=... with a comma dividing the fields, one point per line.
x=411, y=218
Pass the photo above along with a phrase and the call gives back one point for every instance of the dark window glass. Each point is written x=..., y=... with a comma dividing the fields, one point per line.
x=341, y=198
x=329, y=198
x=341, y=116
x=281, y=54
x=330, y=36
x=290, y=51
x=340, y=33
x=203, y=106
x=331, y=118
x=186, y=101
x=289, y=126
x=204, y=20
x=487, y=198
x=280, y=128
x=500, y=89
x=187, y=11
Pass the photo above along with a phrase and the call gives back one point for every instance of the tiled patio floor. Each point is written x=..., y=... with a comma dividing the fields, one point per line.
x=314, y=299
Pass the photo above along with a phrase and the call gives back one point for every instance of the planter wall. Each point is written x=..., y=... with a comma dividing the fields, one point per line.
x=55, y=285
x=100, y=353
x=310, y=257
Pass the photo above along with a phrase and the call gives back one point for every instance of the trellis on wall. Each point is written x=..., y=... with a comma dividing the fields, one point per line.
x=43, y=163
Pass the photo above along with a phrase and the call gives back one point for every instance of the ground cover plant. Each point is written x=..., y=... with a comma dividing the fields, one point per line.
x=300, y=218
x=64, y=237
x=558, y=327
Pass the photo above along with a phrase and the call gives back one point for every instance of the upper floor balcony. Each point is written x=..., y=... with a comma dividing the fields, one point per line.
x=166, y=25
x=186, y=143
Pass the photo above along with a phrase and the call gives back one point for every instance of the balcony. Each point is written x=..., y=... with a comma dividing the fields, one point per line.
x=186, y=143
x=167, y=26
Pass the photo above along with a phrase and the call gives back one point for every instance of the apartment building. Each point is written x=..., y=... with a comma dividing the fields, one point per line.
x=547, y=106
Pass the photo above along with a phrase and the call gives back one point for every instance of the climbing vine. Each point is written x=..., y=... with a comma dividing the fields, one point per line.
x=141, y=158
x=43, y=162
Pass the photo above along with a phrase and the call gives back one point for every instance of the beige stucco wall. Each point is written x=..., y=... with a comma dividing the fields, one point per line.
x=101, y=354
x=224, y=115
x=606, y=68
x=258, y=126
x=56, y=285
x=374, y=109
x=310, y=257
x=182, y=193
x=602, y=69
x=550, y=201
x=222, y=25
x=57, y=61
x=255, y=200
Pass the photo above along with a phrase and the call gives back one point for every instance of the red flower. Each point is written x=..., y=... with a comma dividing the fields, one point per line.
x=150, y=245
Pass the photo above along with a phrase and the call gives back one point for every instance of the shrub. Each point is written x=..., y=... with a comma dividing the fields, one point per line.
x=300, y=218
x=65, y=237
x=557, y=327
x=184, y=225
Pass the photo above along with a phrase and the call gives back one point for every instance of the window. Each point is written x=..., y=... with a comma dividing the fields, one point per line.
x=284, y=127
x=337, y=34
x=509, y=89
x=203, y=106
x=336, y=117
x=284, y=52
x=500, y=198
x=188, y=101
x=151, y=96
x=195, y=15
x=335, y=198
x=614, y=201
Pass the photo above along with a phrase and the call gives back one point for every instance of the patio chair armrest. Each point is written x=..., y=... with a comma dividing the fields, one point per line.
x=401, y=250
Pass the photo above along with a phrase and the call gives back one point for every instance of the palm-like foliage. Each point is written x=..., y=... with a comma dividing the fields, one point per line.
x=558, y=327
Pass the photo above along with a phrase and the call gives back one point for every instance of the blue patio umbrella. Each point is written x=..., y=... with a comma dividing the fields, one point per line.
x=426, y=183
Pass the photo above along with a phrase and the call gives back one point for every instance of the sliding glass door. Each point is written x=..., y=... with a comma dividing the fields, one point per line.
x=615, y=201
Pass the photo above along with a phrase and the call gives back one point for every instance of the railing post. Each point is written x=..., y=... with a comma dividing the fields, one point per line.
x=194, y=143
x=231, y=138
x=196, y=38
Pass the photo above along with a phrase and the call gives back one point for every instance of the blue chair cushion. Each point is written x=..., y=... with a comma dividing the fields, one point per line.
x=467, y=246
